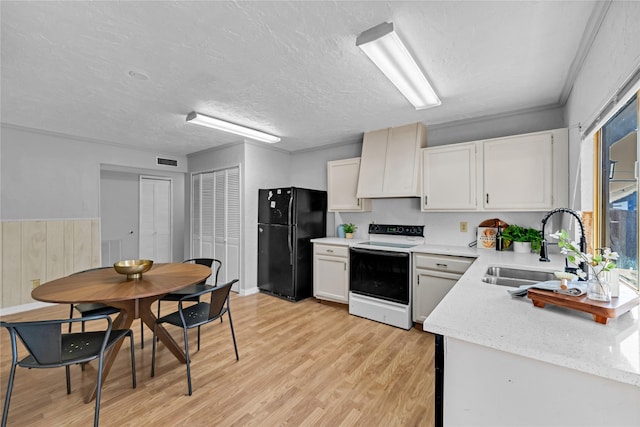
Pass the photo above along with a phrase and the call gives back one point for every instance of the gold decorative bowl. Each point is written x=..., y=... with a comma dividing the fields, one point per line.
x=133, y=268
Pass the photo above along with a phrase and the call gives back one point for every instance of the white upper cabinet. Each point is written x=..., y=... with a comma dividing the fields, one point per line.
x=390, y=162
x=342, y=184
x=449, y=177
x=517, y=173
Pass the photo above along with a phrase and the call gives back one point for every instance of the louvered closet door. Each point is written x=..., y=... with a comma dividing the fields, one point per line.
x=216, y=219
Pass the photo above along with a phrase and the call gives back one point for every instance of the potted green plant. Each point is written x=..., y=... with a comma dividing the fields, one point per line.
x=349, y=229
x=524, y=239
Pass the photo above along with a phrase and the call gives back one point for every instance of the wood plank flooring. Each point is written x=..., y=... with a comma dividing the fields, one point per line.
x=301, y=364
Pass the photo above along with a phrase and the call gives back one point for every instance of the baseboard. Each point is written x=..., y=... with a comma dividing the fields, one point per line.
x=22, y=308
x=250, y=291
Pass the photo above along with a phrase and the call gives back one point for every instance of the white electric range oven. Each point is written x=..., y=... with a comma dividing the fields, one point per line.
x=380, y=274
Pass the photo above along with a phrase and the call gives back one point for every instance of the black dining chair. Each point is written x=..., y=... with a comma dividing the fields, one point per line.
x=87, y=309
x=48, y=347
x=195, y=316
x=213, y=264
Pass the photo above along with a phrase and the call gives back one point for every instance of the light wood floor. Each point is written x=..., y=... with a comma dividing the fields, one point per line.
x=305, y=363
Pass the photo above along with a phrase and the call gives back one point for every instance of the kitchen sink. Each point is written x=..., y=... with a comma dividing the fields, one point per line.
x=514, y=277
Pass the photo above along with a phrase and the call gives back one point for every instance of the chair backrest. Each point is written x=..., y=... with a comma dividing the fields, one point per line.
x=219, y=295
x=212, y=263
x=43, y=338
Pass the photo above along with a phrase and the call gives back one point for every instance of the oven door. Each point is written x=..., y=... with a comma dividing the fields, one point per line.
x=381, y=274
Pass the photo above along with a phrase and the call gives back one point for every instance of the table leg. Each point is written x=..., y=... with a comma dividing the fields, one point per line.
x=147, y=316
x=122, y=321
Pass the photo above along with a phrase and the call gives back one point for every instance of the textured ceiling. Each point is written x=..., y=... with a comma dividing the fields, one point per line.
x=289, y=68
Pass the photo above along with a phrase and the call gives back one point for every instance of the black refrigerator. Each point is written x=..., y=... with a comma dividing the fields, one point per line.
x=288, y=218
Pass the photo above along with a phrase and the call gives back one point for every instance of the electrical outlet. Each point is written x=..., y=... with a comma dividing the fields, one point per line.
x=35, y=283
x=463, y=226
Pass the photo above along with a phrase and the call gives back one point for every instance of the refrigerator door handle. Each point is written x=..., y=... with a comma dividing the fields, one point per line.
x=290, y=243
x=291, y=225
x=290, y=218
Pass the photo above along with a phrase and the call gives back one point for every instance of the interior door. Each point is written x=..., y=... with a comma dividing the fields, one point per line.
x=155, y=219
x=216, y=220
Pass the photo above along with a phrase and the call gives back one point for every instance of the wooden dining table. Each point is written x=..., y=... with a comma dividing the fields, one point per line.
x=132, y=297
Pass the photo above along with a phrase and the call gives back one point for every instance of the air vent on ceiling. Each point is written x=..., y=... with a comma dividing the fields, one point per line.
x=166, y=162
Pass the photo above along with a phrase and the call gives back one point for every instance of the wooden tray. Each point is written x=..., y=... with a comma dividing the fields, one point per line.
x=601, y=311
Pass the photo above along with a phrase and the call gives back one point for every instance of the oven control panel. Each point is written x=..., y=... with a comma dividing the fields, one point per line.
x=397, y=230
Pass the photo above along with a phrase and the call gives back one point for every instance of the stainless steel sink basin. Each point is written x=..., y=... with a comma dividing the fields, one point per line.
x=514, y=277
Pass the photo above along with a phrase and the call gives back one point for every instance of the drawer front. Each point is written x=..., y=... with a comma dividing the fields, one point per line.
x=449, y=263
x=342, y=251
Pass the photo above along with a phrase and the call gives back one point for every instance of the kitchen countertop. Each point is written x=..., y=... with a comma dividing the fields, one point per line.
x=337, y=241
x=487, y=315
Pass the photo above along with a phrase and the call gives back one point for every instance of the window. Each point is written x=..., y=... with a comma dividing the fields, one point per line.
x=617, y=200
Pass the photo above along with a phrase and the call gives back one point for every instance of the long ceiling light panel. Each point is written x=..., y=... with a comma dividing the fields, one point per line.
x=383, y=46
x=211, y=122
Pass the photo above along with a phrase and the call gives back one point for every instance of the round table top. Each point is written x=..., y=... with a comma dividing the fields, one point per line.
x=106, y=284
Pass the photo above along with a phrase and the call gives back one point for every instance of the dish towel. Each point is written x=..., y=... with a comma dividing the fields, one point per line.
x=574, y=288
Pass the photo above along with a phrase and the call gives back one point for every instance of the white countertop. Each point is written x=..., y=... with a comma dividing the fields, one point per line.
x=487, y=315
x=337, y=241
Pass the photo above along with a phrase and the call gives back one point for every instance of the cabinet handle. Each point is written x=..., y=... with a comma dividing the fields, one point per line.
x=425, y=200
x=487, y=198
x=330, y=250
x=358, y=202
x=442, y=265
x=418, y=280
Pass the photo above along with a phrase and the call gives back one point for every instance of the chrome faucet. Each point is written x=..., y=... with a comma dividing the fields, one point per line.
x=544, y=250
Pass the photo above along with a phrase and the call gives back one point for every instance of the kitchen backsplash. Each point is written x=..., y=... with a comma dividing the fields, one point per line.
x=440, y=227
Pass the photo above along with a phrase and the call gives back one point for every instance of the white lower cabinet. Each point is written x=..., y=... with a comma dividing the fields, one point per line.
x=433, y=277
x=331, y=272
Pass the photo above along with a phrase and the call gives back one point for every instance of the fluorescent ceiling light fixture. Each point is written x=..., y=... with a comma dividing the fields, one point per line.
x=383, y=46
x=201, y=119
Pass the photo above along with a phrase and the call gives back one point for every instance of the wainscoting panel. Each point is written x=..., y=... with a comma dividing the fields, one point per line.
x=35, y=252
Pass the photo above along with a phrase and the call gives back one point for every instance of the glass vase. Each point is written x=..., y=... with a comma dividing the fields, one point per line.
x=598, y=289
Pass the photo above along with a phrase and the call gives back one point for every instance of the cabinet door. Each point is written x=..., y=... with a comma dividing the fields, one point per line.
x=342, y=185
x=449, y=177
x=429, y=289
x=331, y=278
x=372, y=165
x=518, y=172
x=401, y=168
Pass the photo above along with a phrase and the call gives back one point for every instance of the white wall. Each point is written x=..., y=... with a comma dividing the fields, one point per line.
x=45, y=176
x=48, y=176
x=495, y=127
x=264, y=168
x=614, y=55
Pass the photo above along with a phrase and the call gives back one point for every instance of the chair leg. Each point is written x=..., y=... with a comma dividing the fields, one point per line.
x=198, y=338
x=70, y=316
x=233, y=334
x=153, y=352
x=141, y=334
x=66, y=368
x=98, y=392
x=5, y=412
x=186, y=352
x=133, y=360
